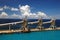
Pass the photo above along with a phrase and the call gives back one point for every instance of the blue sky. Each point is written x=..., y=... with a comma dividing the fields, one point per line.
x=49, y=7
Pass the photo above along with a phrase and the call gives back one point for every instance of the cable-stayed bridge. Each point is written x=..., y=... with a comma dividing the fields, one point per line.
x=25, y=27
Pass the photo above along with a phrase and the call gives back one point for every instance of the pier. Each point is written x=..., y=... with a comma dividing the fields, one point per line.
x=24, y=27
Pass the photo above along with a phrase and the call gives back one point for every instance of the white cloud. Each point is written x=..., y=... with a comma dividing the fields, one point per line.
x=3, y=15
x=1, y=9
x=6, y=7
x=42, y=14
x=15, y=16
x=32, y=16
x=14, y=9
x=25, y=11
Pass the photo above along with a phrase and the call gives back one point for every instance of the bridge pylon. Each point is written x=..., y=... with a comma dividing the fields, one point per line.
x=53, y=24
x=24, y=26
x=40, y=23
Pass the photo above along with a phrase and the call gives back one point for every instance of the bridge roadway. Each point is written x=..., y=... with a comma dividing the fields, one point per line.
x=32, y=30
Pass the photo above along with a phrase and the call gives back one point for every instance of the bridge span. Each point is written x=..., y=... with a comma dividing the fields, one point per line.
x=25, y=27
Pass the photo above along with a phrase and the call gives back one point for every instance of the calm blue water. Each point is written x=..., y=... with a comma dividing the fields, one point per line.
x=43, y=35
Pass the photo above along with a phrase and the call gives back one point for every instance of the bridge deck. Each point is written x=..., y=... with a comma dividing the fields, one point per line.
x=9, y=31
x=32, y=30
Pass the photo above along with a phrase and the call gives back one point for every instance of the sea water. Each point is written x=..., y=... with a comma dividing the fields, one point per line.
x=43, y=35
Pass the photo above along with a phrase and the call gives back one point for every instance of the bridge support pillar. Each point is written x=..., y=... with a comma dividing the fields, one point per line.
x=40, y=27
x=40, y=24
x=53, y=24
x=9, y=27
x=25, y=29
